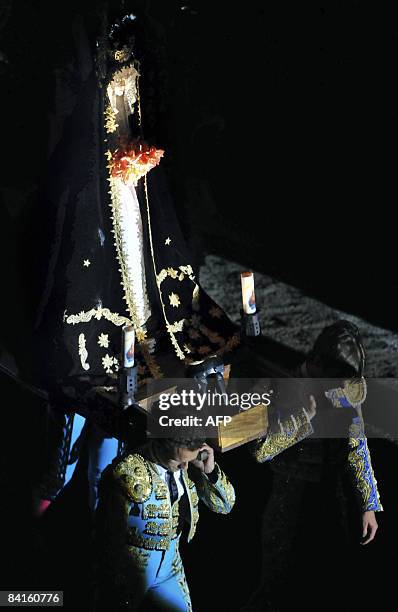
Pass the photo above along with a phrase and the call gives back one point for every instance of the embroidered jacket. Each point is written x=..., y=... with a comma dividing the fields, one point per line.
x=135, y=519
x=297, y=428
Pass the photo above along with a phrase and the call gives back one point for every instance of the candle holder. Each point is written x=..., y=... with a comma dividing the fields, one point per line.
x=128, y=376
x=211, y=367
x=249, y=324
x=128, y=386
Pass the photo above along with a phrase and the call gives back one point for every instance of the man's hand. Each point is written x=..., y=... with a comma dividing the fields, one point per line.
x=369, y=526
x=206, y=466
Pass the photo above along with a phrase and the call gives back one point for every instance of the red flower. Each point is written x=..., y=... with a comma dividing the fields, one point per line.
x=135, y=159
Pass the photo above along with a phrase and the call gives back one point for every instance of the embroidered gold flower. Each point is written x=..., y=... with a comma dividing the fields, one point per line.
x=186, y=269
x=97, y=313
x=174, y=300
x=232, y=342
x=140, y=335
x=171, y=272
x=122, y=55
x=215, y=312
x=110, y=362
x=176, y=327
x=161, y=276
x=195, y=320
x=86, y=263
x=211, y=335
x=204, y=350
x=103, y=340
x=110, y=120
x=83, y=352
x=167, y=241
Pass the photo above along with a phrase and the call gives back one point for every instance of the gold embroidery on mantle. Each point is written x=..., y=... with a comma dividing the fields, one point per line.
x=97, y=313
x=122, y=55
x=110, y=120
x=177, y=326
x=181, y=274
x=103, y=340
x=187, y=270
x=174, y=300
x=83, y=354
x=139, y=324
x=161, y=276
x=177, y=348
x=124, y=81
x=110, y=362
x=172, y=273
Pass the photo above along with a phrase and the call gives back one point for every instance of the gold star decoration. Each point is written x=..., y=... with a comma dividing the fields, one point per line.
x=215, y=312
x=86, y=263
x=194, y=334
x=174, y=300
x=103, y=340
x=167, y=241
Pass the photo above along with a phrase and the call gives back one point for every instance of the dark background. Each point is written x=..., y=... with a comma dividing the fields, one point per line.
x=280, y=124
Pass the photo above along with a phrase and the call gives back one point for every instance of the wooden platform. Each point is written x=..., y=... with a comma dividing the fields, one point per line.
x=245, y=426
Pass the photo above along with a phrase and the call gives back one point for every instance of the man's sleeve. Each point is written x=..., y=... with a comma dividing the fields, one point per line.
x=281, y=436
x=360, y=468
x=216, y=491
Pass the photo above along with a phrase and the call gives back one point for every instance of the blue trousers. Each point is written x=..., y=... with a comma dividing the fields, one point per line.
x=168, y=588
x=153, y=581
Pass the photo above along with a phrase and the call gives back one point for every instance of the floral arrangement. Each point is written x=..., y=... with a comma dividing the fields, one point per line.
x=134, y=159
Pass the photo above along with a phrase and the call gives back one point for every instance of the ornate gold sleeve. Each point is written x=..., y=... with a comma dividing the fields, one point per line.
x=219, y=495
x=360, y=468
x=294, y=429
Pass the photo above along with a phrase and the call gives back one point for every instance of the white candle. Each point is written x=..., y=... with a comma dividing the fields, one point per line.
x=248, y=298
x=128, y=346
